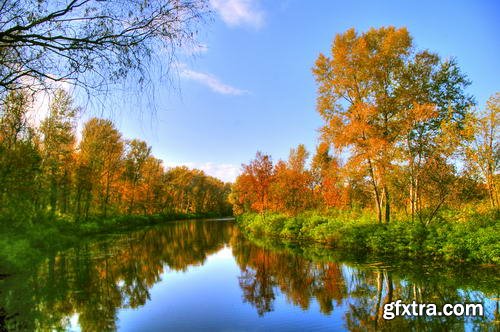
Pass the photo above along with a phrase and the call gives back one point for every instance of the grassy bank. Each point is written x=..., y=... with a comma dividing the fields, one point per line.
x=460, y=236
x=27, y=243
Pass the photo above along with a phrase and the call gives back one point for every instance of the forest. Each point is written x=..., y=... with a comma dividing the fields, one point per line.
x=402, y=142
x=49, y=172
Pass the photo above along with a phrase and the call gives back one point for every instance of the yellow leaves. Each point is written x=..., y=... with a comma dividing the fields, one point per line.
x=423, y=112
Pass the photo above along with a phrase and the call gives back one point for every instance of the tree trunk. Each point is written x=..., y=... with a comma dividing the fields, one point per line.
x=376, y=191
x=387, y=205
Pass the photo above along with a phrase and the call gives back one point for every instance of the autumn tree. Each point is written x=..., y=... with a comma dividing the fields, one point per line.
x=101, y=151
x=297, y=158
x=483, y=152
x=152, y=187
x=291, y=189
x=329, y=180
x=137, y=152
x=192, y=191
x=375, y=92
x=251, y=188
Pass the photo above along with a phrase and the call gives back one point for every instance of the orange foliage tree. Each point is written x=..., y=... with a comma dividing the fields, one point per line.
x=291, y=190
x=251, y=189
x=375, y=92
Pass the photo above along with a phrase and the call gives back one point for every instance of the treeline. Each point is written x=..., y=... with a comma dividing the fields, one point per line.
x=46, y=171
x=401, y=137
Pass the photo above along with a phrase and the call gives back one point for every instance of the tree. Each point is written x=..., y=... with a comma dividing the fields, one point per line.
x=58, y=147
x=329, y=180
x=297, y=158
x=19, y=160
x=137, y=153
x=152, y=189
x=375, y=92
x=192, y=191
x=101, y=152
x=90, y=43
x=291, y=188
x=483, y=152
x=435, y=91
x=251, y=188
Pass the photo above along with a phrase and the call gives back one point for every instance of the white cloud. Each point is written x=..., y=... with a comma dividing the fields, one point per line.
x=239, y=12
x=224, y=172
x=210, y=81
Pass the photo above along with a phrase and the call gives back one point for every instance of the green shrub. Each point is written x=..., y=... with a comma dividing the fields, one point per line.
x=468, y=235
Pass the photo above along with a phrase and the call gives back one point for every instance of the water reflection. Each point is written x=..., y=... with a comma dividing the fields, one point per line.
x=97, y=280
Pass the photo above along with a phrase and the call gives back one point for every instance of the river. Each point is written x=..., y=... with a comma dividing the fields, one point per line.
x=208, y=276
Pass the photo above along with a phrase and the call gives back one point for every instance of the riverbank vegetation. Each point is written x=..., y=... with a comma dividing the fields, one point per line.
x=57, y=185
x=405, y=163
x=456, y=236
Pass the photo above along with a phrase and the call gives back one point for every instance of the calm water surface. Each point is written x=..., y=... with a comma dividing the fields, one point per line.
x=206, y=275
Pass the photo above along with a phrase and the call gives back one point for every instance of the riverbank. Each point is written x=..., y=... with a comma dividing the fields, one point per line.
x=456, y=236
x=56, y=234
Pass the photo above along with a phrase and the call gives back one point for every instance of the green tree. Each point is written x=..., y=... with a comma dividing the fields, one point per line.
x=19, y=160
x=58, y=148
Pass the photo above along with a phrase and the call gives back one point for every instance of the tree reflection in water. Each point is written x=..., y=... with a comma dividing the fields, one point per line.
x=97, y=278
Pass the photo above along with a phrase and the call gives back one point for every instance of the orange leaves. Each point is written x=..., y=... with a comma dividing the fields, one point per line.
x=286, y=187
x=252, y=186
x=290, y=187
x=360, y=91
x=333, y=192
x=422, y=112
x=290, y=190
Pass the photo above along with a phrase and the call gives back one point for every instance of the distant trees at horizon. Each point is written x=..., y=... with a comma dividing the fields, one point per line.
x=45, y=172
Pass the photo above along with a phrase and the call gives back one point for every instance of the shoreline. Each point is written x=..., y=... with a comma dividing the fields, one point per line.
x=476, y=242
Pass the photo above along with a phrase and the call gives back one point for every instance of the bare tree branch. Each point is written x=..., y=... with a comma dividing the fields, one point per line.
x=90, y=43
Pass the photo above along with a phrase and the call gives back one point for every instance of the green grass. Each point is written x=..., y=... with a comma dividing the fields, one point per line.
x=460, y=236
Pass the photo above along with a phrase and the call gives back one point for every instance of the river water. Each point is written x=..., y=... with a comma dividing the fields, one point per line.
x=208, y=276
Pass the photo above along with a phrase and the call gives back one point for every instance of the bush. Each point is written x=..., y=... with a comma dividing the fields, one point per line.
x=468, y=235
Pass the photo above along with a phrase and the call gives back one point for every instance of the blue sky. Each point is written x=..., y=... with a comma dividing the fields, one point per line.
x=249, y=85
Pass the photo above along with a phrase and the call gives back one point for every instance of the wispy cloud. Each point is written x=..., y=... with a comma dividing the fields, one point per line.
x=210, y=81
x=224, y=172
x=239, y=12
